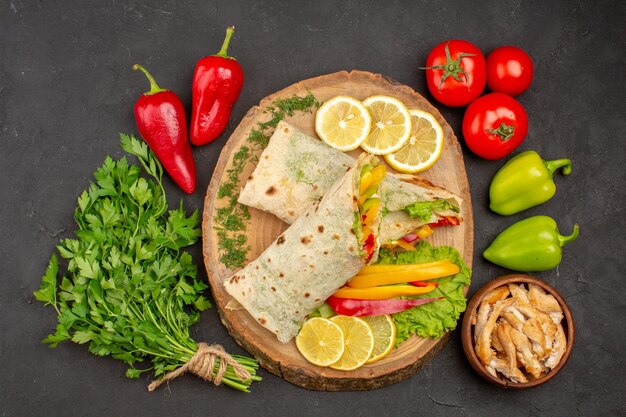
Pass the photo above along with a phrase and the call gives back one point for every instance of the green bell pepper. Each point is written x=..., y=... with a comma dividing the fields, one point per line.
x=523, y=182
x=532, y=244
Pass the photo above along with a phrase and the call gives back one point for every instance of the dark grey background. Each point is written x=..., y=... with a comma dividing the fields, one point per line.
x=67, y=89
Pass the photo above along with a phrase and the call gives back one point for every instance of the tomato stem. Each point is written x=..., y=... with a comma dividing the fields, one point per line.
x=452, y=68
x=504, y=131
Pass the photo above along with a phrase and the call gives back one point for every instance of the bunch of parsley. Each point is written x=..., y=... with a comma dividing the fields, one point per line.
x=129, y=291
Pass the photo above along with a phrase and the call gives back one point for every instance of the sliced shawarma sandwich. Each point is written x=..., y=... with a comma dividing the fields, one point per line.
x=323, y=249
x=295, y=171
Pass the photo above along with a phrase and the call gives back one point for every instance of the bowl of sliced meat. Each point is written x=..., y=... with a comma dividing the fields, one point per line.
x=517, y=331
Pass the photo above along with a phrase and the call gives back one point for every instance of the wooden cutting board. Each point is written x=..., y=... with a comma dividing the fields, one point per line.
x=284, y=360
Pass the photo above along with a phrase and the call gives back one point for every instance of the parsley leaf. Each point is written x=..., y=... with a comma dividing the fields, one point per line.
x=47, y=291
x=130, y=291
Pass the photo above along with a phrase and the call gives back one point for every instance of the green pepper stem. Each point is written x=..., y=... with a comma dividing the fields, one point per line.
x=224, y=51
x=564, y=163
x=564, y=240
x=154, y=87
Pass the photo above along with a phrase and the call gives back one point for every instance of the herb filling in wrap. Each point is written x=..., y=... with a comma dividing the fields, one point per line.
x=325, y=247
x=299, y=169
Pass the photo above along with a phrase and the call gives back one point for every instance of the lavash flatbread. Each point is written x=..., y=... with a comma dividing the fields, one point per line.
x=295, y=170
x=400, y=191
x=306, y=264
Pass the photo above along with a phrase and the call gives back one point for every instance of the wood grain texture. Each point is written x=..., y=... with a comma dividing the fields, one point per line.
x=283, y=359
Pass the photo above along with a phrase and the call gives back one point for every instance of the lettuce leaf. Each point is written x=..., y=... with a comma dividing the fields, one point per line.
x=423, y=209
x=432, y=319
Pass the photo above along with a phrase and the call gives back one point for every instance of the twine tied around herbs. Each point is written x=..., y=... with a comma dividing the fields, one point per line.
x=202, y=363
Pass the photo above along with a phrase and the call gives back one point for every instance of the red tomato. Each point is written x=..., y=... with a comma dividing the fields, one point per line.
x=455, y=73
x=509, y=70
x=494, y=125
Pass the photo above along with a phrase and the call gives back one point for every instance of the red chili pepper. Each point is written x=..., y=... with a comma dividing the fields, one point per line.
x=446, y=221
x=354, y=307
x=161, y=121
x=217, y=82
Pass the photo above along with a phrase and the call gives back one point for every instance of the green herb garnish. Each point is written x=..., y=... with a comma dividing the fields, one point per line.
x=231, y=219
x=130, y=291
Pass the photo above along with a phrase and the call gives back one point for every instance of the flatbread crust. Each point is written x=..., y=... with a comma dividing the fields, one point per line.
x=306, y=264
x=295, y=171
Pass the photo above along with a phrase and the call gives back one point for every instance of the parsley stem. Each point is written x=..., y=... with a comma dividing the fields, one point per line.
x=158, y=354
x=166, y=334
x=130, y=291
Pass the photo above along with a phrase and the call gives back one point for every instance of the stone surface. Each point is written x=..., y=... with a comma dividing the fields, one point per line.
x=67, y=89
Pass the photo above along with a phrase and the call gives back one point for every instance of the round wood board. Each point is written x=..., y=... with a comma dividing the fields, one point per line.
x=284, y=360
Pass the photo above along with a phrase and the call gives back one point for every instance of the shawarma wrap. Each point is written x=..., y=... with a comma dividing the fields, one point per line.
x=295, y=170
x=325, y=247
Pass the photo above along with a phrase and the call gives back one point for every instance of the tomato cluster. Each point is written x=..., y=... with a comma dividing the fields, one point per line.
x=456, y=74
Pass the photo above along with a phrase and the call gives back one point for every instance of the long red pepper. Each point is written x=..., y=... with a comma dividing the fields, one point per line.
x=161, y=121
x=359, y=308
x=217, y=82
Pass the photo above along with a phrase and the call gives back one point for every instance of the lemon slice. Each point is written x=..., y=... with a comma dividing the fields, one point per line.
x=391, y=125
x=320, y=341
x=343, y=123
x=359, y=342
x=384, y=330
x=423, y=148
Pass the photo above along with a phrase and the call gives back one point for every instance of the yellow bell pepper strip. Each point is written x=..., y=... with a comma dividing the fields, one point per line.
x=366, y=181
x=393, y=268
x=369, y=182
x=367, y=194
x=378, y=174
x=369, y=211
x=369, y=203
x=366, y=232
x=388, y=278
x=382, y=293
x=408, y=242
x=424, y=231
x=370, y=178
x=404, y=245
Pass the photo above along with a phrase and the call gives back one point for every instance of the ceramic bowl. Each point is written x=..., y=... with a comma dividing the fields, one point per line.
x=467, y=330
